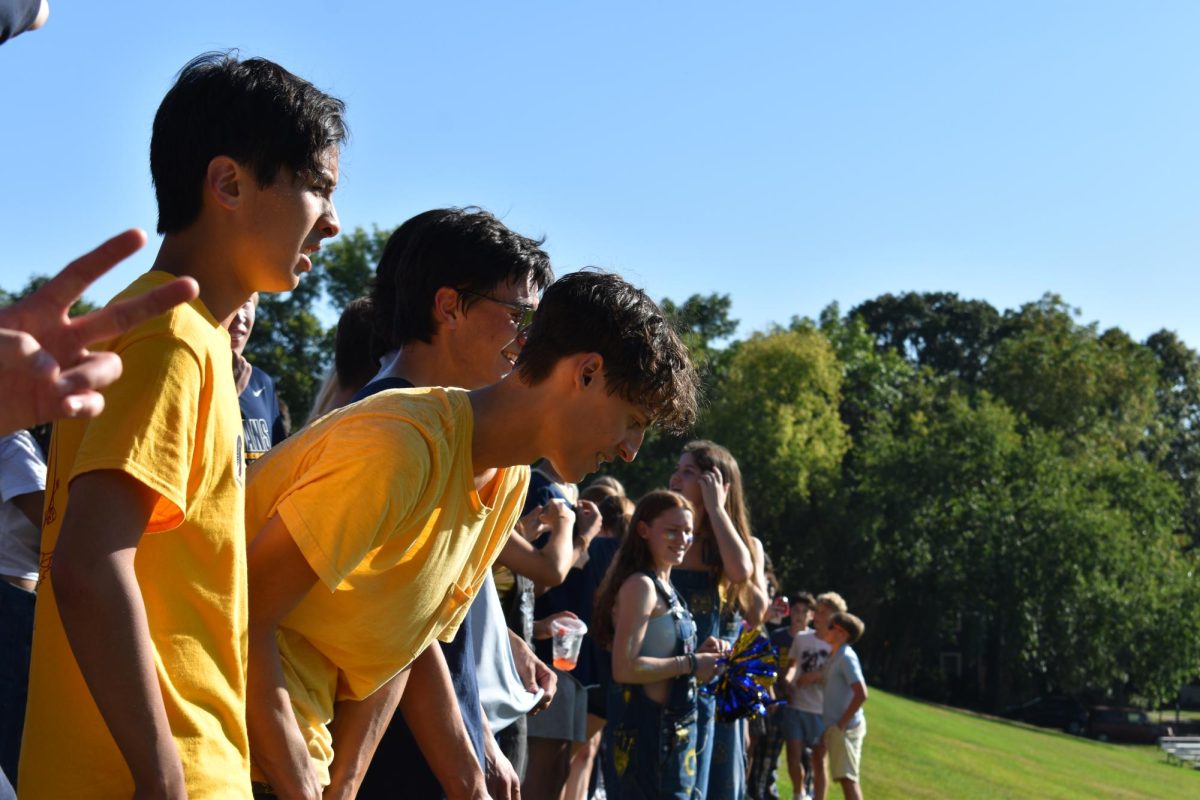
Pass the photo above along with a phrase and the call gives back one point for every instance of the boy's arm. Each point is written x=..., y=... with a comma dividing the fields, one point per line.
x=279, y=578
x=860, y=696
x=548, y=566
x=104, y=619
x=356, y=729
x=784, y=686
x=431, y=711
x=532, y=670
x=503, y=783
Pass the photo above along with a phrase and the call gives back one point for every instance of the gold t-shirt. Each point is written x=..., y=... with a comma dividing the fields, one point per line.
x=172, y=422
x=380, y=498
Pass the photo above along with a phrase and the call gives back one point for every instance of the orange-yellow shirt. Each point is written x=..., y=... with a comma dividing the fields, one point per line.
x=380, y=498
x=172, y=422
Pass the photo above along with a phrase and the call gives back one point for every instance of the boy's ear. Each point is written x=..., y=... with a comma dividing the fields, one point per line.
x=447, y=306
x=223, y=182
x=589, y=368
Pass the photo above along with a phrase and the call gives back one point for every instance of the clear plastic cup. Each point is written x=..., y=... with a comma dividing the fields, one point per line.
x=568, y=636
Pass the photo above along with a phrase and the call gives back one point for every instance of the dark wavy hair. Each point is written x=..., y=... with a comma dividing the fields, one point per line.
x=463, y=248
x=633, y=556
x=253, y=111
x=644, y=360
x=356, y=353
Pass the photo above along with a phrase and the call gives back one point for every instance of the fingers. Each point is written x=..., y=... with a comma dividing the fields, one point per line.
x=115, y=319
x=81, y=404
x=27, y=373
x=93, y=371
x=67, y=286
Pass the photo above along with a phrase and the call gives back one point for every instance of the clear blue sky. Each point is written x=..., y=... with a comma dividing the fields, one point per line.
x=787, y=153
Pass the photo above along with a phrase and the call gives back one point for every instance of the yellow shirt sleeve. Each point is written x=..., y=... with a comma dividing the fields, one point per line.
x=361, y=487
x=149, y=432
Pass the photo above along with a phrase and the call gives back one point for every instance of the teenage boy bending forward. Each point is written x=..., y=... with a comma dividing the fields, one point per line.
x=374, y=528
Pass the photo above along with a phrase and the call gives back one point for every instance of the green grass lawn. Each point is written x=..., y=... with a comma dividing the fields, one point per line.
x=917, y=750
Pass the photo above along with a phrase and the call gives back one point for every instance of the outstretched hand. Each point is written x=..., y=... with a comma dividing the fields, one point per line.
x=45, y=366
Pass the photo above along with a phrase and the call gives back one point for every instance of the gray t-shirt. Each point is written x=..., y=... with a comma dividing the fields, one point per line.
x=22, y=471
x=842, y=671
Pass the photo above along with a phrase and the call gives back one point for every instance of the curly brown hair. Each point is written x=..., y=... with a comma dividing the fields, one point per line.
x=645, y=362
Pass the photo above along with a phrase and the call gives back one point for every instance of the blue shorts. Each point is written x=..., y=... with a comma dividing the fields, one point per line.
x=803, y=726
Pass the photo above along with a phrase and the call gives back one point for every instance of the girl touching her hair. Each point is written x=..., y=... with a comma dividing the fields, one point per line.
x=723, y=582
x=651, y=728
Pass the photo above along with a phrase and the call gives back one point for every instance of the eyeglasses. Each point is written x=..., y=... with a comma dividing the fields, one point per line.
x=523, y=322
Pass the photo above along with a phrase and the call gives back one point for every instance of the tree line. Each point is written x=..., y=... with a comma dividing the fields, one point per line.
x=1010, y=500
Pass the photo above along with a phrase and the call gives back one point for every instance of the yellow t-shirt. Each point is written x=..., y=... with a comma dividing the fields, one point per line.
x=380, y=498
x=172, y=422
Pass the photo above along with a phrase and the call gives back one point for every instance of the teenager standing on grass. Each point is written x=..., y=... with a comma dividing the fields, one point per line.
x=845, y=693
x=651, y=726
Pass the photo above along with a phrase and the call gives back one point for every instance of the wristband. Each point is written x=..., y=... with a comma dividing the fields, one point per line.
x=692, y=661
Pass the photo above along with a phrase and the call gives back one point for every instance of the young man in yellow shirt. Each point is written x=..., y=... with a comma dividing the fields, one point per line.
x=139, y=656
x=377, y=525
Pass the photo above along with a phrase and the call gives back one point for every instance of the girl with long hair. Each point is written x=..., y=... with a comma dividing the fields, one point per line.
x=722, y=581
x=651, y=728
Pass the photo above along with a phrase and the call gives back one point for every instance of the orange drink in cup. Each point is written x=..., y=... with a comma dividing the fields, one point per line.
x=568, y=636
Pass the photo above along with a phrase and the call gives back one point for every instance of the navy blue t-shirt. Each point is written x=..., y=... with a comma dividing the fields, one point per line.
x=398, y=761
x=262, y=424
x=578, y=594
x=16, y=16
x=541, y=491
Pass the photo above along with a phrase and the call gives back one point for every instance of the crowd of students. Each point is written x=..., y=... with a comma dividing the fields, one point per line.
x=197, y=601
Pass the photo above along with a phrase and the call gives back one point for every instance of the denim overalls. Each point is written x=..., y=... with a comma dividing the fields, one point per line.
x=698, y=588
x=727, y=766
x=652, y=747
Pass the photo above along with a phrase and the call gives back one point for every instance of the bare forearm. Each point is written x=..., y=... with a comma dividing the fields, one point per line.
x=431, y=710
x=559, y=553
x=276, y=745
x=104, y=619
x=356, y=729
x=735, y=556
x=856, y=701
x=644, y=669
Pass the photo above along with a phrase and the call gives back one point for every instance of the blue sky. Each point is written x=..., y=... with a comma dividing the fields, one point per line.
x=787, y=153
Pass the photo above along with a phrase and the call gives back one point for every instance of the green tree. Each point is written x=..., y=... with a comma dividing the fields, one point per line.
x=938, y=330
x=1067, y=377
x=1174, y=441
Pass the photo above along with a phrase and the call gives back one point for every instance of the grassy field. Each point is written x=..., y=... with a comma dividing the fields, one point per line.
x=916, y=750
